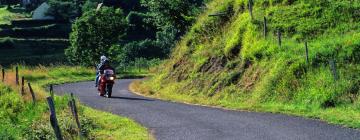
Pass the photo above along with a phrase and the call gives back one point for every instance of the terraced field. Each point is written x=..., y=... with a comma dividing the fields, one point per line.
x=31, y=42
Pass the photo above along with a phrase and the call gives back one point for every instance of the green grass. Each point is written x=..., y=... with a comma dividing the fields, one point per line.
x=227, y=62
x=7, y=15
x=17, y=113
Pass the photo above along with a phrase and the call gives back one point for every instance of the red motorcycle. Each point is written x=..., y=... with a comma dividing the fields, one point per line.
x=106, y=82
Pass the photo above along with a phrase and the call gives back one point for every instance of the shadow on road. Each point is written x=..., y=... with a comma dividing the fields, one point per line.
x=131, y=98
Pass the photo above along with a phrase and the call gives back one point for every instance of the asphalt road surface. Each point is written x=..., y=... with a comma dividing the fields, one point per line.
x=177, y=121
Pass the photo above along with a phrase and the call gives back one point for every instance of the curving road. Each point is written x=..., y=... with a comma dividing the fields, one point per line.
x=176, y=121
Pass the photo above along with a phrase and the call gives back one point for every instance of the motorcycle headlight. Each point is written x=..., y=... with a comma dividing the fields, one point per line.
x=112, y=78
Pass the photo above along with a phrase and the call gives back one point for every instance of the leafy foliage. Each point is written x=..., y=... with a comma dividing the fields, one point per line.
x=63, y=9
x=178, y=13
x=94, y=33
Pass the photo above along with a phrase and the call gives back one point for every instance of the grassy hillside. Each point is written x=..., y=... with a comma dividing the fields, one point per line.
x=227, y=61
x=20, y=119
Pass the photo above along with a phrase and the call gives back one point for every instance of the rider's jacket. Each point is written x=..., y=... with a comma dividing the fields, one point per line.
x=99, y=66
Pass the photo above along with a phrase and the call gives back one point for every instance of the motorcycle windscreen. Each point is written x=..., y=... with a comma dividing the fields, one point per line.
x=108, y=72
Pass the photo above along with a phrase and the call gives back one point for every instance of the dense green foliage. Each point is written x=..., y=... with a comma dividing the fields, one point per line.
x=150, y=33
x=178, y=14
x=94, y=33
x=64, y=9
x=226, y=60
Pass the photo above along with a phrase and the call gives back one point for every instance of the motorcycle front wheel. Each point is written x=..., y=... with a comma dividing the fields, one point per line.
x=108, y=90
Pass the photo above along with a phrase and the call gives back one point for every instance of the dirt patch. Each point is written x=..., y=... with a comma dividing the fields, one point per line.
x=214, y=64
x=251, y=75
x=180, y=70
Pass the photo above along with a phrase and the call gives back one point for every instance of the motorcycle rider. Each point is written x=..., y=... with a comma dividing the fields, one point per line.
x=106, y=66
x=106, y=79
x=101, y=64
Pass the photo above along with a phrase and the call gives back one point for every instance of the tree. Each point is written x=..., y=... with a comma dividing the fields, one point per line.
x=64, y=9
x=171, y=19
x=177, y=13
x=94, y=33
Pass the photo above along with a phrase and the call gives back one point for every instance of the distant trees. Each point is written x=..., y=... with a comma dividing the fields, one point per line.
x=65, y=9
x=149, y=29
x=171, y=18
x=178, y=13
x=94, y=33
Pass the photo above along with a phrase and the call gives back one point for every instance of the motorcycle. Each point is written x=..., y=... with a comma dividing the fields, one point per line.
x=106, y=82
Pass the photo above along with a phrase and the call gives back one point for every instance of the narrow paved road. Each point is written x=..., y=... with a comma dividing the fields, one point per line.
x=176, y=121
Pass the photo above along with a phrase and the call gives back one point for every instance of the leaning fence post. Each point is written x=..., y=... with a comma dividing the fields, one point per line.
x=251, y=9
x=307, y=54
x=265, y=27
x=279, y=37
x=22, y=85
x=333, y=69
x=74, y=111
x=17, y=75
x=3, y=74
x=32, y=93
x=53, y=120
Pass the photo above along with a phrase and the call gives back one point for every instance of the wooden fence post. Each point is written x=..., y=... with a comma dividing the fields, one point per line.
x=279, y=37
x=32, y=93
x=51, y=90
x=265, y=27
x=333, y=69
x=53, y=119
x=3, y=74
x=22, y=85
x=250, y=4
x=17, y=75
x=74, y=111
x=307, y=54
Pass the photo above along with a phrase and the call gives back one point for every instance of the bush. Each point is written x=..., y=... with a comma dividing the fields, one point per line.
x=128, y=53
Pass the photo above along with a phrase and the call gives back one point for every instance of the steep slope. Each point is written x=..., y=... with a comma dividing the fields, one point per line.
x=226, y=60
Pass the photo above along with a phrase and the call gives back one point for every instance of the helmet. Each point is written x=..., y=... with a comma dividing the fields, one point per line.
x=106, y=62
x=103, y=58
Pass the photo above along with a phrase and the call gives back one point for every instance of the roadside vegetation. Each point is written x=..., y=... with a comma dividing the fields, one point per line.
x=8, y=14
x=23, y=120
x=226, y=61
